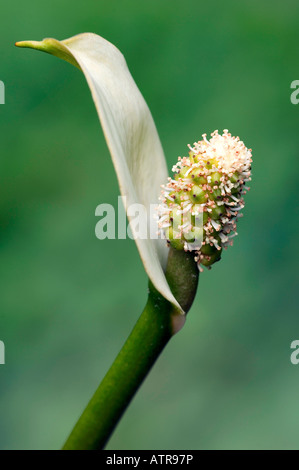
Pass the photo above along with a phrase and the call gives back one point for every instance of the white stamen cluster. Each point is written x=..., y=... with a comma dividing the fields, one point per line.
x=201, y=204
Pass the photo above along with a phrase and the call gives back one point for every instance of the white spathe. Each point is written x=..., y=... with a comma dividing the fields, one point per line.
x=129, y=130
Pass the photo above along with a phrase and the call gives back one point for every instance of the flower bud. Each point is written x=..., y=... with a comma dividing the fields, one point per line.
x=201, y=204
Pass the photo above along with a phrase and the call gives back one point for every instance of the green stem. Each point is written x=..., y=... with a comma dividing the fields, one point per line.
x=148, y=338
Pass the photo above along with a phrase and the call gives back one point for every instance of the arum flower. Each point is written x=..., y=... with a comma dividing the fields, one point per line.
x=207, y=187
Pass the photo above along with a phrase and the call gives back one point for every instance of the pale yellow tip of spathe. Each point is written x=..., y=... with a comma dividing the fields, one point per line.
x=51, y=46
x=30, y=44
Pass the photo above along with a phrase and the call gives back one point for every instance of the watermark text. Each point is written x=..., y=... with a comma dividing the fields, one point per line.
x=2, y=353
x=144, y=223
x=2, y=93
x=295, y=354
x=295, y=94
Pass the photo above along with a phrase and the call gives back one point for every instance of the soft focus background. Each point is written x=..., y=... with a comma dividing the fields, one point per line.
x=68, y=300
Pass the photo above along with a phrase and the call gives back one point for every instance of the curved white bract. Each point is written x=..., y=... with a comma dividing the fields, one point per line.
x=129, y=130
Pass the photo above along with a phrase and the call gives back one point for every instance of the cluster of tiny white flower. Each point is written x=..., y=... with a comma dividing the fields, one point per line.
x=201, y=204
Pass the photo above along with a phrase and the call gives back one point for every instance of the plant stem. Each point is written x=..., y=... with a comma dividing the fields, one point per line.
x=148, y=338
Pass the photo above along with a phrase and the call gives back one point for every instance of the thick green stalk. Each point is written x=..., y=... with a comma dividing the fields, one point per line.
x=158, y=322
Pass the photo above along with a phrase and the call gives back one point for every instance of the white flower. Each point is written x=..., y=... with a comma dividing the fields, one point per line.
x=201, y=204
x=129, y=130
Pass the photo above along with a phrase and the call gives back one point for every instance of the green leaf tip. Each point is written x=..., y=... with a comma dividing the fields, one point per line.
x=51, y=46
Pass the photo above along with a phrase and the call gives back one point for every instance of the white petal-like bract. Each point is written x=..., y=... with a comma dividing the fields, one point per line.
x=129, y=130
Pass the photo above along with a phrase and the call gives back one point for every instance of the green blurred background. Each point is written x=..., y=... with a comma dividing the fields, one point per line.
x=68, y=300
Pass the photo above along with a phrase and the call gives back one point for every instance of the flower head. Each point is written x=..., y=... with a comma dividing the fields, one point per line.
x=207, y=187
x=201, y=204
